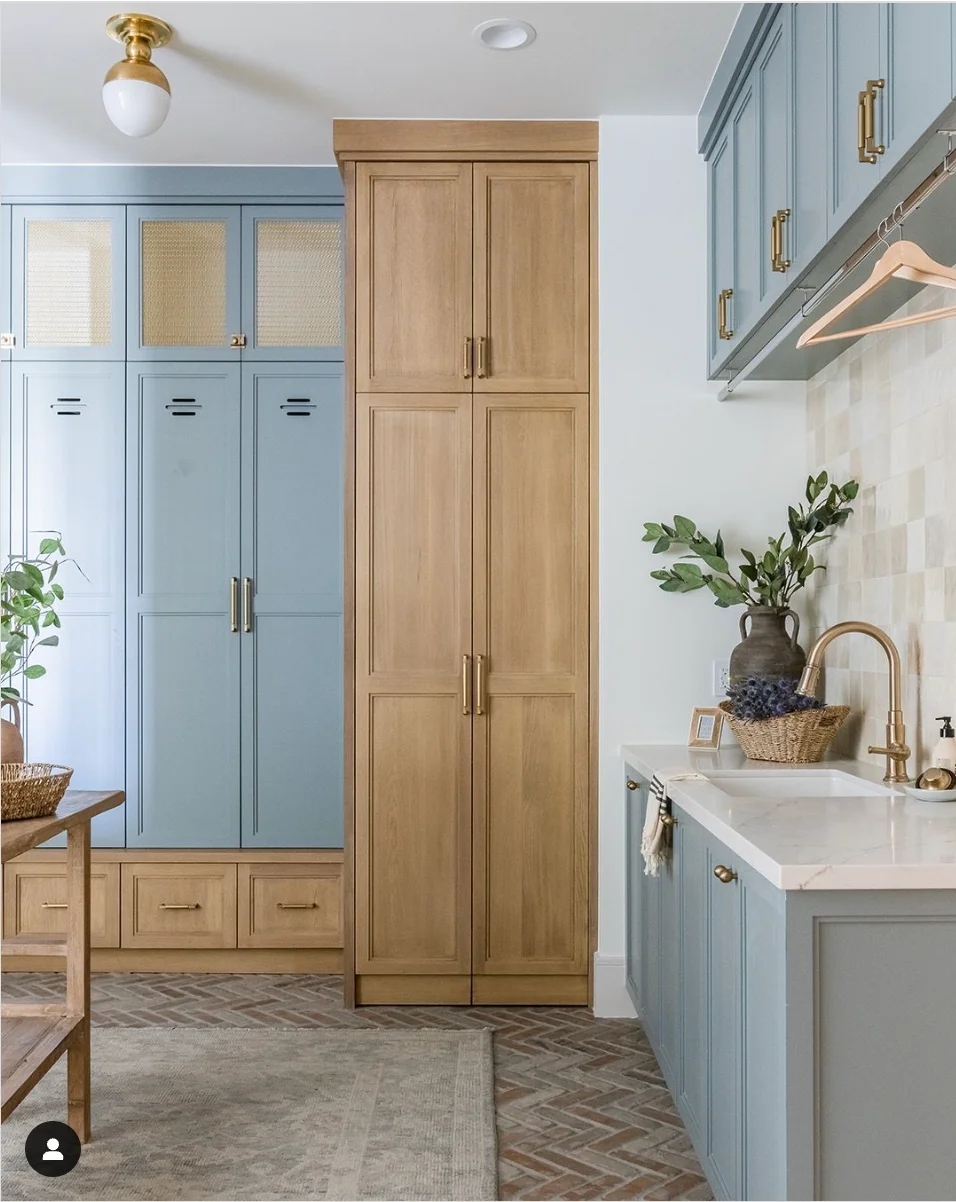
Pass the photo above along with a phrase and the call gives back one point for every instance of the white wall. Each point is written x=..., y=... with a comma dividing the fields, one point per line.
x=666, y=446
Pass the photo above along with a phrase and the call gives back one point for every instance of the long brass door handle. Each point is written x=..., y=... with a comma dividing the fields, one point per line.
x=247, y=604
x=866, y=122
x=467, y=360
x=722, y=298
x=234, y=604
x=466, y=684
x=482, y=358
x=297, y=905
x=53, y=905
x=481, y=701
x=179, y=905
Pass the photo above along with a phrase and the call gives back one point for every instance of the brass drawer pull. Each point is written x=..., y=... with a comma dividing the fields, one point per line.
x=53, y=905
x=722, y=298
x=724, y=875
x=297, y=905
x=179, y=906
x=777, y=261
x=466, y=365
x=631, y=784
x=866, y=122
x=234, y=604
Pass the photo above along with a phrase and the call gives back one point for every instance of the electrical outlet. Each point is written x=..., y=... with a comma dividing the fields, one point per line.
x=721, y=677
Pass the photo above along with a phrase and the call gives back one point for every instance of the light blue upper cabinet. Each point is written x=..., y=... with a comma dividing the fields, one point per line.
x=183, y=589
x=747, y=223
x=292, y=282
x=6, y=280
x=68, y=282
x=292, y=606
x=720, y=203
x=184, y=282
x=68, y=475
x=918, y=69
x=774, y=71
x=806, y=227
x=854, y=66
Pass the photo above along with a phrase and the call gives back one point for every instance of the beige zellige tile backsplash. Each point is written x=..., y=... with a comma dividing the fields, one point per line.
x=884, y=412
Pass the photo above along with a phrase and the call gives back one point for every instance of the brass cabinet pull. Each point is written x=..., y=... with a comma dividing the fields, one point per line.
x=234, y=604
x=722, y=297
x=482, y=358
x=179, y=906
x=631, y=784
x=297, y=905
x=247, y=604
x=866, y=122
x=668, y=820
x=724, y=875
x=53, y=905
x=480, y=699
x=466, y=684
x=777, y=261
x=467, y=359
x=237, y=341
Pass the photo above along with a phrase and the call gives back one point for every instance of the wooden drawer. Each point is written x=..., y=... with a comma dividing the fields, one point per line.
x=290, y=905
x=179, y=905
x=34, y=902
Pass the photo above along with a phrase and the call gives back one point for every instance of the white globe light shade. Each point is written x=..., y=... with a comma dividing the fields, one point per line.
x=135, y=107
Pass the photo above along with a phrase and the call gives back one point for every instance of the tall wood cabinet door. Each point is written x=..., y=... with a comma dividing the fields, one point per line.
x=183, y=630
x=413, y=737
x=413, y=277
x=183, y=293
x=69, y=282
x=292, y=282
x=531, y=739
x=532, y=252
x=291, y=618
x=854, y=58
x=68, y=423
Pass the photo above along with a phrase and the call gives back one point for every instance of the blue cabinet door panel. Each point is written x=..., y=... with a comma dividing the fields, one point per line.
x=68, y=291
x=68, y=447
x=183, y=655
x=855, y=58
x=693, y=978
x=293, y=259
x=184, y=279
x=292, y=655
x=720, y=203
x=918, y=67
x=775, y=116
x=722, y=1137
x=807, y=225
x=746, y=298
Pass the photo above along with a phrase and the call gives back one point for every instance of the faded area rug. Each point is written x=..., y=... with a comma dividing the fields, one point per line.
x=187, y=1113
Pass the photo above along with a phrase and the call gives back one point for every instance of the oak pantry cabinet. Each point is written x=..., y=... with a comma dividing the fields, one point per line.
x=470, y=279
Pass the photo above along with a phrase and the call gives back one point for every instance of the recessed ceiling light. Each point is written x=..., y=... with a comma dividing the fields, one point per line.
x=503, y=33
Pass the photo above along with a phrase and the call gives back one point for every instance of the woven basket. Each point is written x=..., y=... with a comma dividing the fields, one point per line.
x=32, y=790
x=800, y=738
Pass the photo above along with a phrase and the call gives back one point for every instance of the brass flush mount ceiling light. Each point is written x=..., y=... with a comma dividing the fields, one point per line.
x=135, y=91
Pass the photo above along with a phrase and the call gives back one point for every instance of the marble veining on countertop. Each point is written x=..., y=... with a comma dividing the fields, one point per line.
x=871, y=841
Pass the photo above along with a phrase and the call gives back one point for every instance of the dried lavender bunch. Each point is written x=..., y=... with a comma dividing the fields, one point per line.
x=756, y=700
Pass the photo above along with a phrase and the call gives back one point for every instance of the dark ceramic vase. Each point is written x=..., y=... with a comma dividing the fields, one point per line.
x=767, y=650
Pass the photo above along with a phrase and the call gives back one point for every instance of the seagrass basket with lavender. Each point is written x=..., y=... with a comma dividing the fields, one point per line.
x=772, y=721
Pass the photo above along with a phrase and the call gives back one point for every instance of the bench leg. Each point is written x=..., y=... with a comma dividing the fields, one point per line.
x=78, y=977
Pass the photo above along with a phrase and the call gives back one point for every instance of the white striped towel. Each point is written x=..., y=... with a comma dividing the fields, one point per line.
x=653, y=848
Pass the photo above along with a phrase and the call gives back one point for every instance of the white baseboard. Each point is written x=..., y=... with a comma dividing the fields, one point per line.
x=611, y=999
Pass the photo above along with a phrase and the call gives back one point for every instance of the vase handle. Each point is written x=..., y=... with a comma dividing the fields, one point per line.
x=796, y=626
x=742, y=623
x=14, y=705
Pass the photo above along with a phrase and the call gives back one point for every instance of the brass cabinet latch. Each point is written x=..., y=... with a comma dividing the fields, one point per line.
x=237, y=341
x=7, y=341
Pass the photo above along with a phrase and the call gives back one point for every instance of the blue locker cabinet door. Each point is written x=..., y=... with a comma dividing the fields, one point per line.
x=747, y=224
x=775, y=115
x=720, y=203
x=69, y=282
x=68, y=424
x=918, y=68
x=292, y=652
x=6, y=280
x=183, y=646
x=184, y=279
x=854, y=59
x=293, y=280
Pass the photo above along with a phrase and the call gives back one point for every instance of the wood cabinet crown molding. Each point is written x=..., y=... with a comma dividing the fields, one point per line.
x=466, y=140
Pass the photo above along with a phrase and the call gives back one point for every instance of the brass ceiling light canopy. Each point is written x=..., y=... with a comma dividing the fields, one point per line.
x=135, y=92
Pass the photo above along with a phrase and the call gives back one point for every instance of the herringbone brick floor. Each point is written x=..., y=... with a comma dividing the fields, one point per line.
x=582, y=1108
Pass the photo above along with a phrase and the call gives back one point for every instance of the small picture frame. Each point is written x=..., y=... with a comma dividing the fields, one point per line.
x=705, y=728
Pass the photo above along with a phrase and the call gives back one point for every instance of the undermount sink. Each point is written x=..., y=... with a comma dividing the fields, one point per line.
x=795, y=783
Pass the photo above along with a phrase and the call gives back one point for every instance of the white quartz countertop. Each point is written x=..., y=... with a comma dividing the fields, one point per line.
x=865, y=842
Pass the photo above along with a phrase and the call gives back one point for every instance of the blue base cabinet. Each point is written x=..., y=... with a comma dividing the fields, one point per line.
x=802, y=1034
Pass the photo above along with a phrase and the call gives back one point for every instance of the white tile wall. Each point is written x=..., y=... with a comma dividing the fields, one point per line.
x=884, y=412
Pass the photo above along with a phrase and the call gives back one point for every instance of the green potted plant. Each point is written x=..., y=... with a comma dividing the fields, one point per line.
x=29, y=594
x=765, y=584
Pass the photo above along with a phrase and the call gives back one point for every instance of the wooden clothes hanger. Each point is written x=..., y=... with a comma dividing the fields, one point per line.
x=902, y=261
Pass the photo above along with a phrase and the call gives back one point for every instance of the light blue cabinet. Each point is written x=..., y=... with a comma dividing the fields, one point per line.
x=67, y=474
x=184, y=273
x=807, y=225
x=292, y=642
x=775, y=121
x=293, y=283
x=746, y=257
x=183, y=639
x=918, y=65
x=68, y=282
x=720, y=219
x=854, y=61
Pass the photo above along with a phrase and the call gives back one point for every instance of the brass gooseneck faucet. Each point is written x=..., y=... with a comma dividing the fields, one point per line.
x=896, y=751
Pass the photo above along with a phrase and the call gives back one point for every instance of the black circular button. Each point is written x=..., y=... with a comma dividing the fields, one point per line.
x=53, y=1149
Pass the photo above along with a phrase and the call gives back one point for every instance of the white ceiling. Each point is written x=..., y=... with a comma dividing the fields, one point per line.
x=257, y=82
